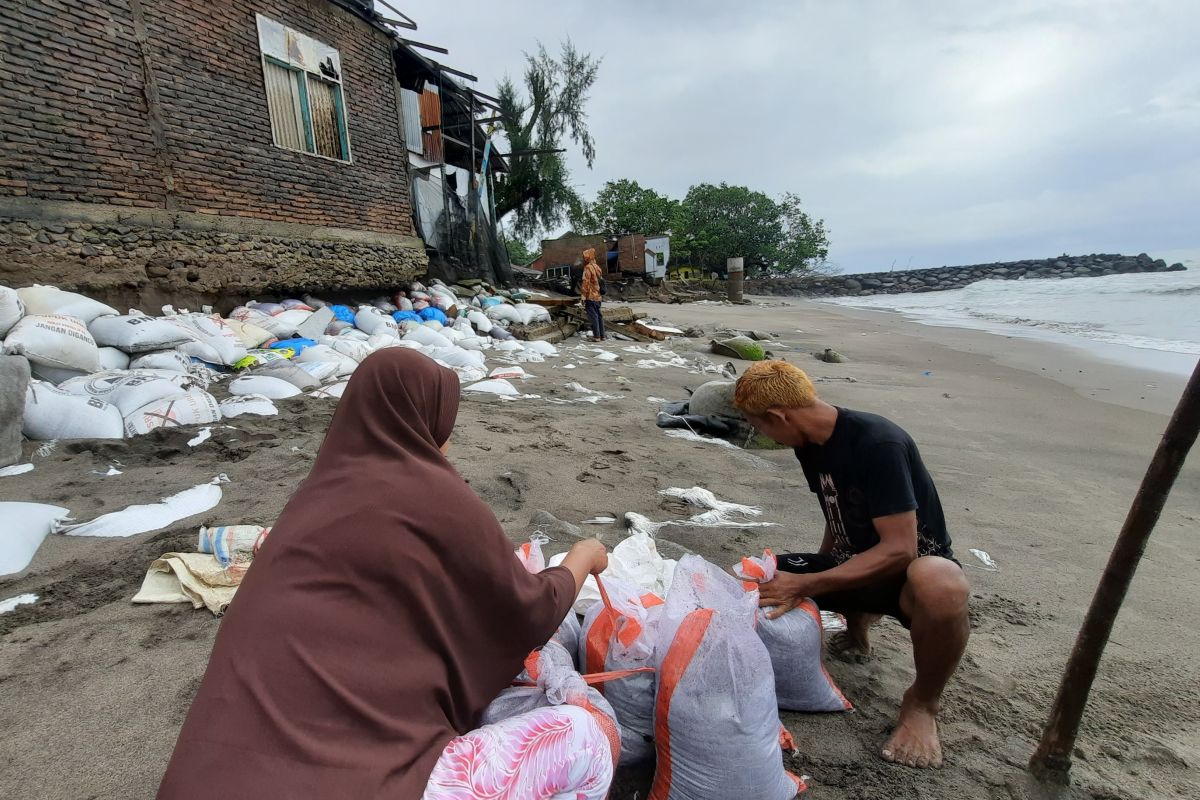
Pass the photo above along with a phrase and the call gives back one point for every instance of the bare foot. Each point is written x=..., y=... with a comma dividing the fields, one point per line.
x=854, y=643
x=915, y=741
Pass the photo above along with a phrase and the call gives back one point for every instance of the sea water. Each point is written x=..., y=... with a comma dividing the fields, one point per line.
x=1150, y=320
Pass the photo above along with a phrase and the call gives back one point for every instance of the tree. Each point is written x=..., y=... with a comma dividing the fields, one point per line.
x=721, y=222
x=625, y=207
x=805, y=243
x=520, y=253
x=537, y=189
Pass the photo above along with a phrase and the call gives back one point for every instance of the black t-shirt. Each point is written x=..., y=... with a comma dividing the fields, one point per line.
x=871, y=468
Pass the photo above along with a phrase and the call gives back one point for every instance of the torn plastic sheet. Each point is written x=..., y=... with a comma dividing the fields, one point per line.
x=988, y=562
x=112, y=470
x=657, y=400
x=26, y=525
x=29, y=598
x=605, y=355
x=703, y=498
x=709, y=519
x=152, y=516
x=645, y=349
x=680, y=433
x=16, y=469
x=599, y=521
x=202, y=436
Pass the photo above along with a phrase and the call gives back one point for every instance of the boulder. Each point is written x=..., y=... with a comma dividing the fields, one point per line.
x=830, y=356
x=14, y=380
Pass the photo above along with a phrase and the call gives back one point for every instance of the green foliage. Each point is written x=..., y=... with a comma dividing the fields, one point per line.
x=626, y=207
x=551, y=107
x=805, y=240
x=520, y=253
x=718, y=222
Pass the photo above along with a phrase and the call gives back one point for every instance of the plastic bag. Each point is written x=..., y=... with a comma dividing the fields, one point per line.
x=716, y=723
x=51, y=413
x=619, y=634
x=556, y=682
x=795, y=643
x=635, y=559
x=433, y=314
x=55, y=341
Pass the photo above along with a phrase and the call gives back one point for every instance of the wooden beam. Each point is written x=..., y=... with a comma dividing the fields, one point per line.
x=408, y=21
x=424, y=46
x=1052, y=759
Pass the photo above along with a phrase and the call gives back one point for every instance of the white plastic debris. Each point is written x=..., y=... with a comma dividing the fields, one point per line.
x=27, y=599
x=605, y=355
x=988, y=563
x=703, y=498
x=332, y=392
x=658, y=401
x=112, y=470
x=667, y=329
x=679, y=433
x=25, y=526
x=832, y=622
x=15, y=469
x=202, y=436
x=599, y=521
x=256, y=405
x=152, y=516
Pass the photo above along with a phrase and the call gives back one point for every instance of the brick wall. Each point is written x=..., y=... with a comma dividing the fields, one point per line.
x=567, y=250
x=76, y=125
x=631, y=253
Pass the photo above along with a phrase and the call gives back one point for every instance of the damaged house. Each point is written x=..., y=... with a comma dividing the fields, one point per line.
x=154, y=151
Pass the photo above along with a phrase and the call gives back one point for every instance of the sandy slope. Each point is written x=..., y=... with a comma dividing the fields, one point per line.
x=93, y=689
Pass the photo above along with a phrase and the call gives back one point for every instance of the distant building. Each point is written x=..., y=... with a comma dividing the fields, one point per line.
x=628, y=255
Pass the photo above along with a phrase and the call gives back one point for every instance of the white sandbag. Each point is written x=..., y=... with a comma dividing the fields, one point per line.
x=273, y=388
x=508, y=346
x=496, y=387
x=254, y=405
x=351, y=348
x=248, y=334
x=55, y=341
x=320, y=370
x=371, y=321
x=11, y=309
x=258, y=357
x=433, y=325
x=288, y=323
x=172, y=360
x=195, y=407
x=380, y=341
x=456, y=357
x=333, y=391
x=232, y=544
x=541, y=348
x=255, y=317
x=212, y=340
x=453, y=335
x=530, y=313
x=344, y=365
x=287, y=371
x=427, y=337
x=620, y=634
x=129, y=391
x=51, y=413
x=148, y=517
x=112, y=358
x=509, y=373
x=634, y=559
x=795, y=643
x=50, y=301
x=504, y=313
x=480, y=321
x=474, y=343
x=715, y=700
x=137, y=333
x=26, y=525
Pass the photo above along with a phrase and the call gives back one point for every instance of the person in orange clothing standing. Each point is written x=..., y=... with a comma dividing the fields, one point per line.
x=591, y=291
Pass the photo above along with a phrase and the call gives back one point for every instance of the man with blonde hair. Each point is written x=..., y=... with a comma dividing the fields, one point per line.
x=885, y=550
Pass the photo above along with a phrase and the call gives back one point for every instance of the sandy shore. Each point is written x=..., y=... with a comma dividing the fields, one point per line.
x=1036, y=467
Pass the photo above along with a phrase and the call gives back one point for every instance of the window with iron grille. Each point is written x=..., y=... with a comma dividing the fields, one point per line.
x=304, y=82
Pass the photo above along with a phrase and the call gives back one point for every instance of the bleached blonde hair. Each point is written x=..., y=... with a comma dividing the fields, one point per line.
x=773, y=384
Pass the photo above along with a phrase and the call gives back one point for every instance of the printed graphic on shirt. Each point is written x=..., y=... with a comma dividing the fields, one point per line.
x=833, y=515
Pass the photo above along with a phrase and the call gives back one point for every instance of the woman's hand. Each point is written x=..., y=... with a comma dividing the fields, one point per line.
x=586, y=557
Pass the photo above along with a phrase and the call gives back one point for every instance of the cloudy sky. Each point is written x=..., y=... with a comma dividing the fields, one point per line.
x=924, y=133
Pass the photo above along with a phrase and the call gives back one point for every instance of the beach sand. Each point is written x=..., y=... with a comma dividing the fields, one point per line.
x=1035, y=466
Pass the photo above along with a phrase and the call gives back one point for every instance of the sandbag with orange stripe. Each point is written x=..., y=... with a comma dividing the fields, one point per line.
x=618, y=634
x=796, y=642
x=531, y=556
x=717, y=729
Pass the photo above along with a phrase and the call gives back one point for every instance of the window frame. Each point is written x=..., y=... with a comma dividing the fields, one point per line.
x=339, y=101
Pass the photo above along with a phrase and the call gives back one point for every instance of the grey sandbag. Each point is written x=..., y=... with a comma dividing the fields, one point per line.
x=14, y=380
x=714, y=398
x=286, y=370
x=314, y=327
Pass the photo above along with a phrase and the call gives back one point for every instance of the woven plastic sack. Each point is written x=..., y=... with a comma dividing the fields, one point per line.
x=531, y=313
x=130, y=390
x=51, y=413
x=194, y=407
x=619, y=634
x=249, y=334
x=344, y=365
x=556, y=682
x=171, y=360
x=427, y=338
x=265, y=385
x=11, y=309
x=343, y=313
x=211, y=339
x=136, y=333
x=112, y=358
x=796, y=643
x=287, y=371
x=371, y=321
x=54, y=341
x=232, y=545
x=503, y=312
x=255, y=405
x=531, y=557
x=480, y=321
x=50, y=300
x=717, y=729
x=433, y=314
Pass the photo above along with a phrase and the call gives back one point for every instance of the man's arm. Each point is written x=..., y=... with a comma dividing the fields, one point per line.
x=896, y=550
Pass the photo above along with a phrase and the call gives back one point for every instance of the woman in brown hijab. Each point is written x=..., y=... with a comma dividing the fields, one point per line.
x=379, y=620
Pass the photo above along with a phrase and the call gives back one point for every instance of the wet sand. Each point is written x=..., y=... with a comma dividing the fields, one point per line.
x=1036, y=467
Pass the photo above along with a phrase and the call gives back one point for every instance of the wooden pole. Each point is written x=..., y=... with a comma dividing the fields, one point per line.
x=1052, y=760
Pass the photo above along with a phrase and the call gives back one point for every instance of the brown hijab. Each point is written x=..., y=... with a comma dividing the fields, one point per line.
x=385, y=611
